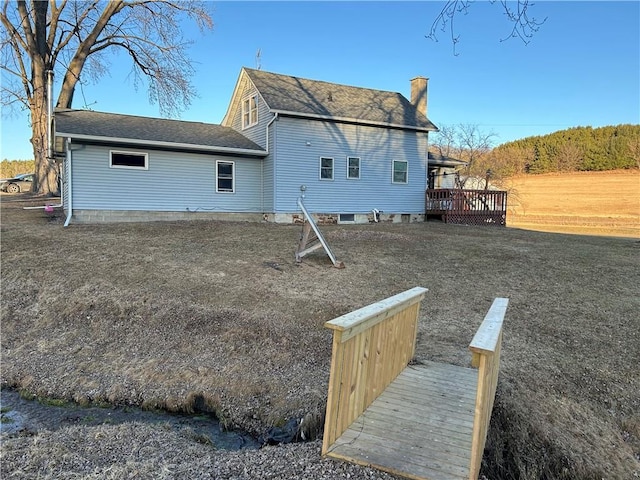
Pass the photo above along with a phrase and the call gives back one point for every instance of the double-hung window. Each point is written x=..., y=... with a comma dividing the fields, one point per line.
x=250, y=111
x=353, y=168
x=134, y=160
x=225, y=177
x=326, y=168
x=400, y=171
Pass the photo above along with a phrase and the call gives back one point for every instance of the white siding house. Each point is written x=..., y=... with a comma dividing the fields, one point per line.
x=349, y=150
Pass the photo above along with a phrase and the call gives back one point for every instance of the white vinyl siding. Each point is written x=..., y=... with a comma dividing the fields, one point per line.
x=297, y=164
x=250, y=111
x=122, y=159
x=326, y=168
x=353, y=168
x=225, y=177
x=175, y=182
x=400, y=172
x=256, y=132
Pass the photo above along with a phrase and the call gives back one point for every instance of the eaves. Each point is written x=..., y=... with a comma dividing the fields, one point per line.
x=160, y=145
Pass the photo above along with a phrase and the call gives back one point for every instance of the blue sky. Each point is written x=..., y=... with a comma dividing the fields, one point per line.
x=581, y=68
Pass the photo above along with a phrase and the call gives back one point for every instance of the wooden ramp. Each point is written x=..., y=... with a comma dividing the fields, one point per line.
x=420, y=427
x=425, y=421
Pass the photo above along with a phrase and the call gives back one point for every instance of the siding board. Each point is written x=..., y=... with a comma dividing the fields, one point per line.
x=173, y=182
x=256, y=133
x=300, y=143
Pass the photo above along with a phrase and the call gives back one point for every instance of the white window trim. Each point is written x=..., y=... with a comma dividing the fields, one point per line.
x=359, y=168
x=233, y=176
x=393, y=163
x=249, y=124
x=123, y=152
x=333, y=169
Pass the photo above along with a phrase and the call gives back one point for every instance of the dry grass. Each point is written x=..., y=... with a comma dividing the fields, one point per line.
x=590, y=203
x=217, y=316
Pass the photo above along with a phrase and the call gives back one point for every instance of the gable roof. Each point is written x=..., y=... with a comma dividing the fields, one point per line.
x=103, y=127
x=318, y=99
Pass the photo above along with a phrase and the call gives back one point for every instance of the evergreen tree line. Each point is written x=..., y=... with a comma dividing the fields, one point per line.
x=574, y=149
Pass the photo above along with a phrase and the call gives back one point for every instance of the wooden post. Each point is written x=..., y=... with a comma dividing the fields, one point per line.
x=485, y=347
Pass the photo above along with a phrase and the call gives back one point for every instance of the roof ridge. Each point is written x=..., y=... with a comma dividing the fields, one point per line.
x=322, y=81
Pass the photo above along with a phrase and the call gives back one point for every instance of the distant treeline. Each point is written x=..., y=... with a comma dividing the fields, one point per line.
x=574, y=149
x=11, y=168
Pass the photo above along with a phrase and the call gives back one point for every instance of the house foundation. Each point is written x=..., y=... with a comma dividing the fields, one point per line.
x=129, y=216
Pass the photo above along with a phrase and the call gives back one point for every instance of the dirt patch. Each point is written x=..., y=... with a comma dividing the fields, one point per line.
x=169, y=314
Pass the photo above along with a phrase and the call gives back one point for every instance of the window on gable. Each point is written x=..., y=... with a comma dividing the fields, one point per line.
x=128, y=160
x=225, y=177
x=326, y=168
x=353, y=168
x=250, y=111
x=400, y=171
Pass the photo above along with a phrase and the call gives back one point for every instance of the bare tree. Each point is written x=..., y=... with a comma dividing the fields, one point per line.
x=445, y=142
x=569, y=156
x=634, y=150
x=506, y=161
x=73, y=38
x=522, y=25
x=464, y=142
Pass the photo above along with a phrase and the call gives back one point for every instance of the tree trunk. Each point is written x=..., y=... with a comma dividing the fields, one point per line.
x=46, y=169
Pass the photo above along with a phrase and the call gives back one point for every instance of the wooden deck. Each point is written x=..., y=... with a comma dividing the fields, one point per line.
x=467, y=207
x=420, y=427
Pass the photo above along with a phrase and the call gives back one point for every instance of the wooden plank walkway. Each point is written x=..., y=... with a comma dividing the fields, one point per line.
x=420, y=427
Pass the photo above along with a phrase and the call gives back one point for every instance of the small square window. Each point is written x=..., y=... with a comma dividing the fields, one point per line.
x=326, y=168
x=128, y=160
x=400, y=171
x=353, y=168
x=225, y=178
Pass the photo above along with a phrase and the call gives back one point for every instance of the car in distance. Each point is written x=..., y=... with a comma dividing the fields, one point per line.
x=17, y=184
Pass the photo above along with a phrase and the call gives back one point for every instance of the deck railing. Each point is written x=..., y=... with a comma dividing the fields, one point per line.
x=485, y=347
x=471, y=207
x=371, y=346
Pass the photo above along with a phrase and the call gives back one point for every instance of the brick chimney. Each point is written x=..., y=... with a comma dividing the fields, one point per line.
x=419, y=94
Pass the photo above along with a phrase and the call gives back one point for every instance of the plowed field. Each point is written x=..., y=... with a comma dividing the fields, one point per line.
x=592, y=203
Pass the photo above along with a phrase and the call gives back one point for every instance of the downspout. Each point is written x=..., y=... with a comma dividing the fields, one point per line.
x=50, y=115
x=275, y=117
x=69, y=184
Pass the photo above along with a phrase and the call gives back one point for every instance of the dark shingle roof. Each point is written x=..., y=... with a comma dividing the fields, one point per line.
x=437, y=158
x=316, y=98
x=111, y=127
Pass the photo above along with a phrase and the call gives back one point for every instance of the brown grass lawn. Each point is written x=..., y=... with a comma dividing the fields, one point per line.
x=218, y=316
x=592, y=203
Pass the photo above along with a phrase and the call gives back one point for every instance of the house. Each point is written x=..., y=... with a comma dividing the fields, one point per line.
x=354, y=154
x=444, y=171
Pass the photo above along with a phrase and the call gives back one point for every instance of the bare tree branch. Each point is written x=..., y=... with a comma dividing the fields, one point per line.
x=522, y=26
x=465, y=142
x=73, y=39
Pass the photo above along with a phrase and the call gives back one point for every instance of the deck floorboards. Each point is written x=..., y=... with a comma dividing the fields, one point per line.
x=420, y=427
